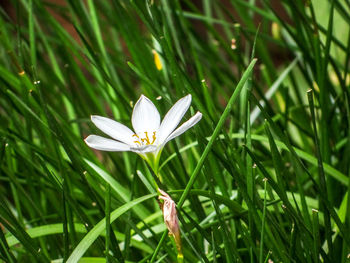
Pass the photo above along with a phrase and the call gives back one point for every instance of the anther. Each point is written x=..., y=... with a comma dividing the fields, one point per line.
x=154, y=137
x=147, y=139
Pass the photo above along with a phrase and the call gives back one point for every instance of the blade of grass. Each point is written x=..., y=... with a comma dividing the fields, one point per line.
x=322, y=178
x=92, y=235
x=216, y=132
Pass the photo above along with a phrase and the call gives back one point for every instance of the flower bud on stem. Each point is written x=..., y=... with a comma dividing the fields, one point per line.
x=172, y=222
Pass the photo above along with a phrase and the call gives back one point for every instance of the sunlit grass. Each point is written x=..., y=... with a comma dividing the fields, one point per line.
x=263, y=176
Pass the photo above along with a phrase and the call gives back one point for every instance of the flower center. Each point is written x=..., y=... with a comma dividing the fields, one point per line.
x=146, y=140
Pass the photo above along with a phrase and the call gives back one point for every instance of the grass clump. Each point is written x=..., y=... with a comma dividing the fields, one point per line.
x=263, y=177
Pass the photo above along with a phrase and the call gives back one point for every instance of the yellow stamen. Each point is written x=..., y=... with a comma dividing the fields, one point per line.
x=153, y=138
x=146, y=139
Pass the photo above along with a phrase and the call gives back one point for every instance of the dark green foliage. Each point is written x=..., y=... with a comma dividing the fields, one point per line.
x=263, y=176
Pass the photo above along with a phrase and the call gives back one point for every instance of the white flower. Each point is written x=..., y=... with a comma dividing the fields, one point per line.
x=150, y=135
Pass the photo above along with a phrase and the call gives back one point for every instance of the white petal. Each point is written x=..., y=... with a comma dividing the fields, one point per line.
x=114, y=129
x=145, y=117
x=173, y=118
x=104, y=144
x=185, y=126
x=144, y=149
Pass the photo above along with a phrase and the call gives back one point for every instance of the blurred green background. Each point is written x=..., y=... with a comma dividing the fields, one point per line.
x=263, y=177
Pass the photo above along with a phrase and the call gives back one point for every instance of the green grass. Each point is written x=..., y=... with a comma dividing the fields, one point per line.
x=263, y=176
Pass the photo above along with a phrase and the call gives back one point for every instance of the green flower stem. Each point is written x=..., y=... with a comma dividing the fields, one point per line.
x=153, y=164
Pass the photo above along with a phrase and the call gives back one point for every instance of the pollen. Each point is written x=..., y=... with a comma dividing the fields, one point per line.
x=154, y=137
x=138, y=139
x=146, y=140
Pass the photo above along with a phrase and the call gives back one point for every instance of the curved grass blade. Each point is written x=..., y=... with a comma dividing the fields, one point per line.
x=87, y=241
